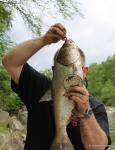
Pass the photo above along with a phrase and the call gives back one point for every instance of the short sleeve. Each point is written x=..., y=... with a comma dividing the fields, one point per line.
x=32, y=85
x=101, y=116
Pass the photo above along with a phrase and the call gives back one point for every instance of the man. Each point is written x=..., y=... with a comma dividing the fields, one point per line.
x=92, y=133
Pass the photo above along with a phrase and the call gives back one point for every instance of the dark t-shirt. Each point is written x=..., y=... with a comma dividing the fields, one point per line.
x=40, y=122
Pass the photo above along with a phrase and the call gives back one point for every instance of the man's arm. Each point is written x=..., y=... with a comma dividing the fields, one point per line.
x=17, y=57
x=92, y=135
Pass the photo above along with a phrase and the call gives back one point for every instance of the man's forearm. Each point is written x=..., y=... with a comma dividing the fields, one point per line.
x=22, y=52
x=92, y=135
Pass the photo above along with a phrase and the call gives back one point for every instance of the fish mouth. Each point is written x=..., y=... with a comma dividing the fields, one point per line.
x=69, y=41
x=68, y=53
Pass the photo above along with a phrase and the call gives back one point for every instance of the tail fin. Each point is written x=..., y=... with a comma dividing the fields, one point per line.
x=56, y=146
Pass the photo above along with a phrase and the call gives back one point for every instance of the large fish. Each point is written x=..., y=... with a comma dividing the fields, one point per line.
x=67, y=71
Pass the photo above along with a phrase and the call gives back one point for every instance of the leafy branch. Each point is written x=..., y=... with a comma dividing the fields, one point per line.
x=34, y=11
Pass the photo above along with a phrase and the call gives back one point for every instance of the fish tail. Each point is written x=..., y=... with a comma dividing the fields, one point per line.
x=59, y=146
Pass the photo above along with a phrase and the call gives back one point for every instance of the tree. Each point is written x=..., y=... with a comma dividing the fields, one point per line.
x=95, y=77
x=5, y=18
x=8, y=100
x=33, y=11
x=109, y=69
x=102, y=81
x=5, y=25
x=108, y=93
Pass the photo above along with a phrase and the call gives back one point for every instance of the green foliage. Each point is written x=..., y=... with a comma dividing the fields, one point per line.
x=5, y=25
x=5, y=44
x=33, y=12
x=5, y=18
x=8, y=100
x=102, y=81
x=108, y=93
x=67, y=8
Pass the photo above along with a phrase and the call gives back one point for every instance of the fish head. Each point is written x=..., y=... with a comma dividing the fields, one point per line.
x=68, y=53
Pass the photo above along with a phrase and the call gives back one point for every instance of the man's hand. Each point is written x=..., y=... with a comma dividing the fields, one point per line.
x=55, y=33
x=80, y=96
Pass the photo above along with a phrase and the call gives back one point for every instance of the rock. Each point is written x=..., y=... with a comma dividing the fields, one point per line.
x=1, y=139
x=15, y=124
x=4, y=117
x=110, y=112
x=22, y=116
x=15, y=133
x=18, y=140
x=11, y=141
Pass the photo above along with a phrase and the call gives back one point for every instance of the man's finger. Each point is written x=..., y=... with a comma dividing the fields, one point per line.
x=75, y=99
x=74, y=94
x=78, y=89
x=60, y=26
x=57, y=31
